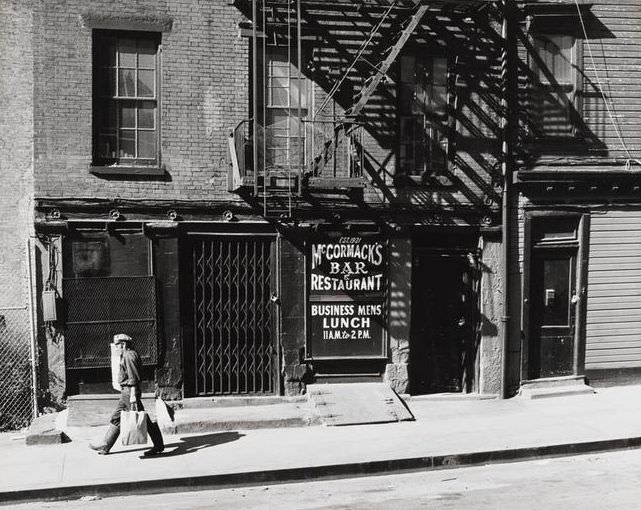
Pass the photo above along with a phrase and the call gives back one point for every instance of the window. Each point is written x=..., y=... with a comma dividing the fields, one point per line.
x=125, y=98
x=284, y=92
x=555, y=96
x=423, y=115
x=108, y=288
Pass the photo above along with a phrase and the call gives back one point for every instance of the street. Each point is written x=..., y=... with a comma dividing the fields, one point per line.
x=599, y=481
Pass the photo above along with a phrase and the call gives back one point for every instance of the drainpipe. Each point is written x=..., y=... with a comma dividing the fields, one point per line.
x=506, y=169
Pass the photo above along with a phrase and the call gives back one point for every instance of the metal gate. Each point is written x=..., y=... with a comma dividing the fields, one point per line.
x=232, y=316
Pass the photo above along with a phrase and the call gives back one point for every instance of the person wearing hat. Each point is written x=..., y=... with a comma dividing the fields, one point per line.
x=130, y=376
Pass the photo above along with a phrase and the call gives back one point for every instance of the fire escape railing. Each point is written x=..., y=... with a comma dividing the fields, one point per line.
x=332, y=150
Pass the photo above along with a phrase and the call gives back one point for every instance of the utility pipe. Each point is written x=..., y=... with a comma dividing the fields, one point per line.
x=506, y=169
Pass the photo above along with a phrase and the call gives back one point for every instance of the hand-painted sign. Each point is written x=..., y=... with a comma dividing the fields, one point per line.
x=347, y=329
x=347, y=266
x=346, y=291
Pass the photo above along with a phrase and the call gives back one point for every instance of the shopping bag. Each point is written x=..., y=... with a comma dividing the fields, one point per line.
x=133, y=427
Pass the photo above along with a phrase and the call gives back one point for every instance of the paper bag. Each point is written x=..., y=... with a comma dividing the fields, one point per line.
x=133, y=427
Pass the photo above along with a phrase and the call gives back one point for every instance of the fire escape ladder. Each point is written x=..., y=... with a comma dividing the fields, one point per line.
x=372, y=82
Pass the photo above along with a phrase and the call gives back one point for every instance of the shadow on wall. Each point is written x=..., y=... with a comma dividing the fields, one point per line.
x=552, y=111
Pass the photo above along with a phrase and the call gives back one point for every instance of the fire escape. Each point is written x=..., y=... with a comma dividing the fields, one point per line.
x=317, y=144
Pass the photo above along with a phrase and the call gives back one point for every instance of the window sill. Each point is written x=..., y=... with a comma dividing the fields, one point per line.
x=127, y=170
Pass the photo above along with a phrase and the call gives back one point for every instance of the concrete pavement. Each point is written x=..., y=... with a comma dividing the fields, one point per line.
x=446, y=433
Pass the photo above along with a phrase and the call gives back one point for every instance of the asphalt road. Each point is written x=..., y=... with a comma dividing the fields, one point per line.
x=609, y=481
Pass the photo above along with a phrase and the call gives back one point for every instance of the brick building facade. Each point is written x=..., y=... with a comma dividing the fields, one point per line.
x=267, y=194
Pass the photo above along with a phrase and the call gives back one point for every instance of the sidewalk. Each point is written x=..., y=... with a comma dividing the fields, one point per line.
x=445, y=433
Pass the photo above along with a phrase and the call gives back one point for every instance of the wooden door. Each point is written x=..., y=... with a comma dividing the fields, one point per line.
x=552, y=312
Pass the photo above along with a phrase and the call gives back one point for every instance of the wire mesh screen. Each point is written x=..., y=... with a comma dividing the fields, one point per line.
x=234, y=351
x=99, y=308
x=16, y=383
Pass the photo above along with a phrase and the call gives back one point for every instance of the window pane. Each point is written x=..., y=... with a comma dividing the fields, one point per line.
x=439, y=97
x=146, y=86
x=106, y=82
x=440, y=71
x=105, y=52
x=147, y=115
x=147, y=144
x=127, y=143
x=278, y=97
x=107, y=145
x=127, y=116
x=146, y=54
x=106, y=115
x=127, y=53
x=294, y=93
x=408, y=69
x=126, y=82
x=555, y=52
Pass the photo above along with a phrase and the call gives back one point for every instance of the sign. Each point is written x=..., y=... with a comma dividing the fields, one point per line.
x=348, y=329
x=348, y=266
x=347, y=283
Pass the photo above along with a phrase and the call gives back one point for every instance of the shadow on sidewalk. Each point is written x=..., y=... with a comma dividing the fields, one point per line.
x=189, y=444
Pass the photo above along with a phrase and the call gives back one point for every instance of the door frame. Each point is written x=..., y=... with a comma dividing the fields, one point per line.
x=459, y=254
x=579, y=242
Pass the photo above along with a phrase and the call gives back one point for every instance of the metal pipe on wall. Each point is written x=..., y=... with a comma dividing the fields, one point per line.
x=506, y=169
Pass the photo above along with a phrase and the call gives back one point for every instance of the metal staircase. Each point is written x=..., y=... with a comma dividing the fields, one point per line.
x=393, y=52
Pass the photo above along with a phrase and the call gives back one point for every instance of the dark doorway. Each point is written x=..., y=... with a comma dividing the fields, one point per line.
x=552, y=312
x=229, y=345
x=444, y=304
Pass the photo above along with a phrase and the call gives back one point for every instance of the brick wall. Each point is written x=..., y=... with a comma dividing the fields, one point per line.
x=203, y=94
x=16, y=185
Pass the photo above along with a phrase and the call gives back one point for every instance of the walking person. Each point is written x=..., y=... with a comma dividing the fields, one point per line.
x=130, y=376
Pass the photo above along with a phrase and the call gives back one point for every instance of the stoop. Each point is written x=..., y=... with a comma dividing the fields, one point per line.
x=555, y=387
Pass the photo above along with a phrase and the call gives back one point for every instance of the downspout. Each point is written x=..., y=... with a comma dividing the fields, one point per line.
x=506, y=169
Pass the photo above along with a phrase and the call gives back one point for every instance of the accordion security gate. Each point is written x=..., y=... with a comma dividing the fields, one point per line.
x=232, y=316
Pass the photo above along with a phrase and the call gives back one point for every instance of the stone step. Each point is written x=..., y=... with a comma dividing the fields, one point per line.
x=555, y=391
x=236, y=401
x=95, y=410
x=215, y=419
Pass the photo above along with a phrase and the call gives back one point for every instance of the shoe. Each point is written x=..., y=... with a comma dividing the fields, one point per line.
x=153, y=451
x=110, y=438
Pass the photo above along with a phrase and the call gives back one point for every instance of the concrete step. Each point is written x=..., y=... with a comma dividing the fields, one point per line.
x=237, y=401
x=555, y=391
x=204, y=414
x=95, y=410
x=215, y=419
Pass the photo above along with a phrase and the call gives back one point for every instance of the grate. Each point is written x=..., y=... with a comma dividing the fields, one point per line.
x=233, y=345
x=99, y=308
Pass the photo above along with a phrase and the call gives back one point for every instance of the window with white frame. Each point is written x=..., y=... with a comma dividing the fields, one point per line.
x=286, y=106
x=126, y=98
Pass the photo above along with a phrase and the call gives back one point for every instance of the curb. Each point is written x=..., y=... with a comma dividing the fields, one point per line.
x=299, y=474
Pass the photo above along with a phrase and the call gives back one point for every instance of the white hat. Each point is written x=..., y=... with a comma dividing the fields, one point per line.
x=121, y=337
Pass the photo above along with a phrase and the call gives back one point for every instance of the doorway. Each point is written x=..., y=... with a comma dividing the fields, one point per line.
x=229, y=347
x=552, y=312
x=444, y=313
